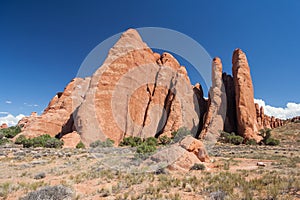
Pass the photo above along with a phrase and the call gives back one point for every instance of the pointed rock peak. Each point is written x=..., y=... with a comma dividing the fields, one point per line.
x=131, y=33
x=168, y=59
x=238, y=50
x=238, y=55
x=216, y=72
x=198, y=86
x=217, y=60
x=130, y=40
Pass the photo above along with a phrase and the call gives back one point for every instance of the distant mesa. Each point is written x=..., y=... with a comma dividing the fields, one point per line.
x=137, y=92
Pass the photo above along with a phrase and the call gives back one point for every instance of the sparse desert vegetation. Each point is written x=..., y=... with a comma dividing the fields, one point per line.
x=41, y=141
x=84, y=173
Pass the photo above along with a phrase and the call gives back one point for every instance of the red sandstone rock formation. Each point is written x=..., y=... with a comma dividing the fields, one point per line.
x=57, y=117
x=215, y=116
x=264, y=121
x=26, y=120
x=230, y=124
x=260, y=124
x=140, y=93
x=136, y=93
x=244, y=96
x=295, y=119
x=179, y=156
x=71, y=140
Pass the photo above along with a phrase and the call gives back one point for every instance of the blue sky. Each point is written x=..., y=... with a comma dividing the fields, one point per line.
x=43, y=43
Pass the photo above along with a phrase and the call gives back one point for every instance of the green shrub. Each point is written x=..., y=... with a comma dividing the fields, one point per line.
x=230, y=138
x=40, y=141
x=235, y=139
x=266, y=134
x=27, y=143
x=53, y=143
x=224, y=136
x=251, y=142
x=107, y=143
x=272, y=142
x=180, y=134
x=20, y=139
x=174, y=133
x=80, y=145
x=144, y=148
x=151, y=141
x=267, y=138
x=198, y=166
x=164, y=140
x=131, y=141
x=4, y=141
x=10, y=132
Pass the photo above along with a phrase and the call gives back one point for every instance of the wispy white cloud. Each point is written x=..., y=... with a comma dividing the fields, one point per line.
x=4, y=113
x=31, y=105
x=11, y=120
x=291, y=109
x=8, y=102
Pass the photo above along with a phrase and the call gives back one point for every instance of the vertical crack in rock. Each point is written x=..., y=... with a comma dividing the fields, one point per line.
x=167, y=106
x=165, y=115
x=147, y=107
x=155, y=81
x=203, y=106
x=230, y=120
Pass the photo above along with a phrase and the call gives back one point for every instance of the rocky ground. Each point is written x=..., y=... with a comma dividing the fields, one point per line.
x=113, y=173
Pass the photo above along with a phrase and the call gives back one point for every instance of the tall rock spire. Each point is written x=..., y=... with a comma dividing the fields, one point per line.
x=244, y=96
x=215, y=116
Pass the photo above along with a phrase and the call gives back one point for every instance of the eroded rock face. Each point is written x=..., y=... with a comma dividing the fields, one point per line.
x=259, y=117
x=71, y=140
x=136, y=93
x=264, y=121
x=26, y=120
x=244, y=96
x=58, y=113
x=215, y=116
x=180, y=156
x=195, y=146
x=203, y=106
x=230, y=120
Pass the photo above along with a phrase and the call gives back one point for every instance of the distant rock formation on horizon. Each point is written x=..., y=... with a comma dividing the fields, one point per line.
x=4, y=125
x=137, y=92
